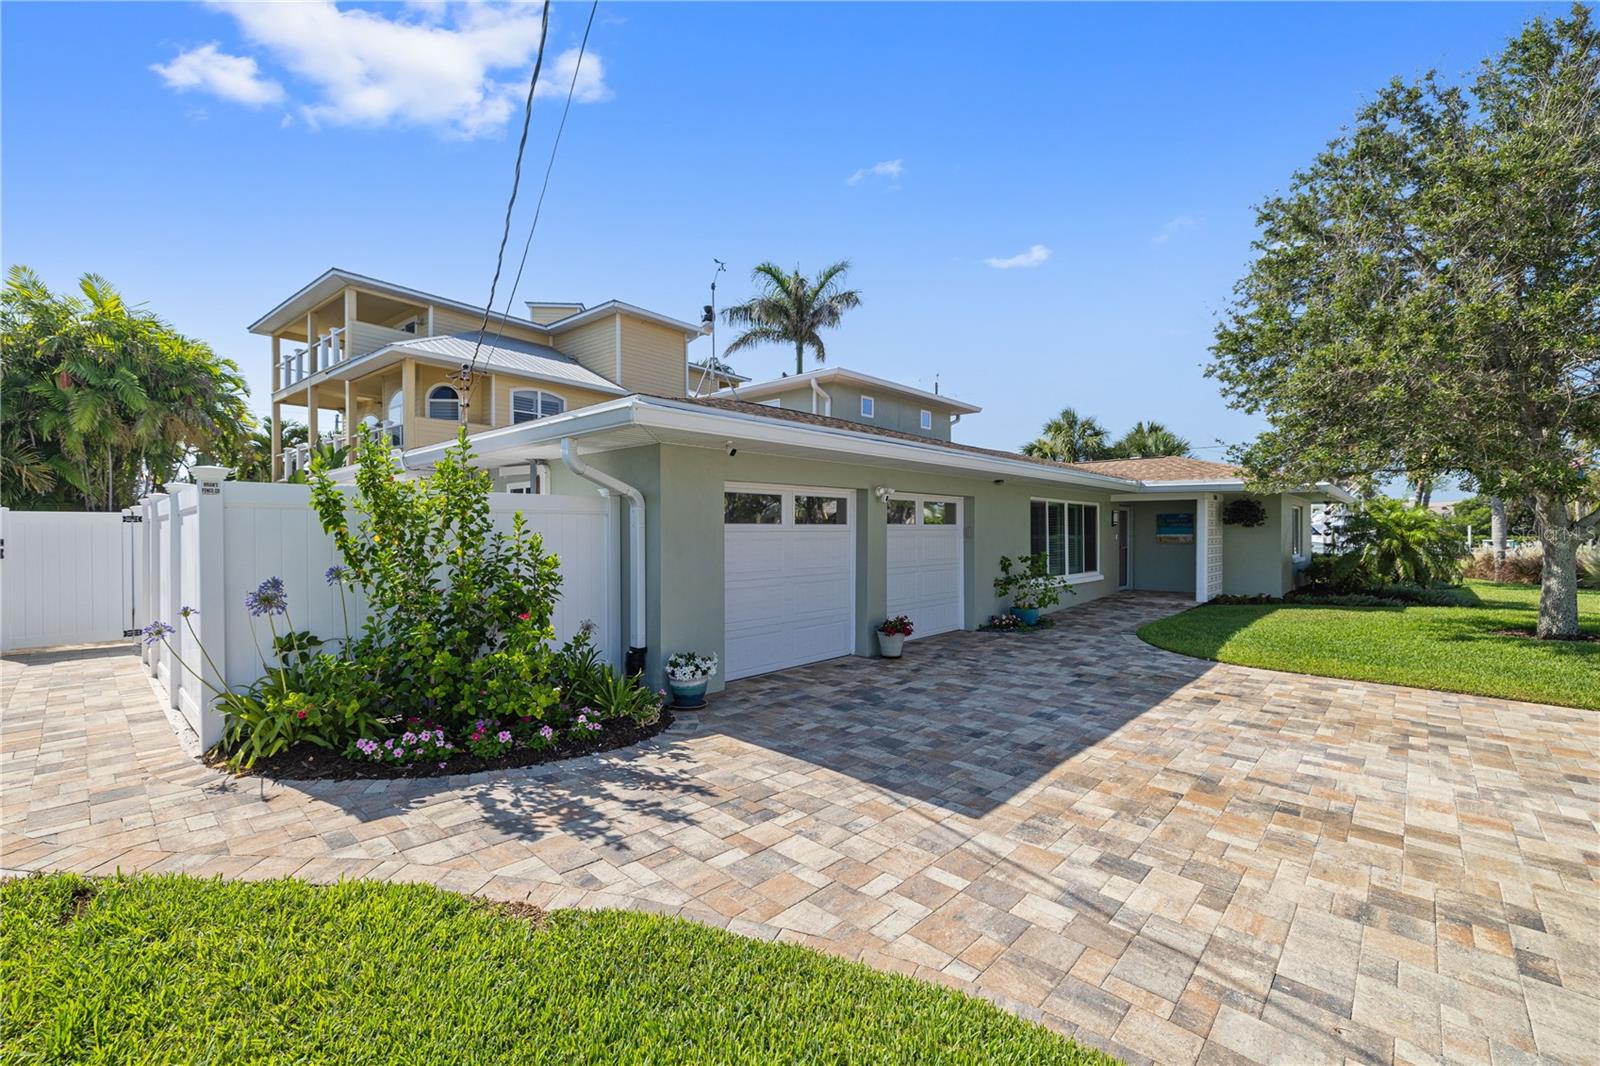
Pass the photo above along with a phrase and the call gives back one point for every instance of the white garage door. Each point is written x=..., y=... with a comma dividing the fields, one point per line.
x=789, y=577
x=925, y=552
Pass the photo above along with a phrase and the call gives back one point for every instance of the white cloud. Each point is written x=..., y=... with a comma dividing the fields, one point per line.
x=889, y=168
x=1173, y=227
x=235, y=78
x=1031, y=258
x=459, y=68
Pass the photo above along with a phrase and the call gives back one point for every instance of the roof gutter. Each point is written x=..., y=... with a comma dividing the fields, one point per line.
x=636, y=594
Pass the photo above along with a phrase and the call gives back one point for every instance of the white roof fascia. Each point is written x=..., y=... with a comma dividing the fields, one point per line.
x=416, y=295
x=831, y=373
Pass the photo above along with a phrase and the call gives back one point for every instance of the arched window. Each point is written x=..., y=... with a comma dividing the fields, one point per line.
x=396, y=411
x=444, y=403
x=529, y=404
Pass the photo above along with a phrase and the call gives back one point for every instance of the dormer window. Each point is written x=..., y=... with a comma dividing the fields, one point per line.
x=444, y=403
x=868, y=407
x=530, y=404
x=927, y=420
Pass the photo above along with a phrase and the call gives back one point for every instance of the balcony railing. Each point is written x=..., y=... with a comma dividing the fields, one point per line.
x=326, y=352
x=297, y=458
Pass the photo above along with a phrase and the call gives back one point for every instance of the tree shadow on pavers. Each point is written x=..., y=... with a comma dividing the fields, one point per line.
x=966, y=720
x=601, y=800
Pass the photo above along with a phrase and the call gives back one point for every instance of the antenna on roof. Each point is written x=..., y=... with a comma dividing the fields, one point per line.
x=708, y=326
x=936, y=384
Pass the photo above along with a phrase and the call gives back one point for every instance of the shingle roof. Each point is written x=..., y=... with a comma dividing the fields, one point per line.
x=513, y=357
x=785, y=415
x=1164, y=468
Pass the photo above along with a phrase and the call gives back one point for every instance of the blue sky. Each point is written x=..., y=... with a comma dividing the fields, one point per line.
x=210, y=160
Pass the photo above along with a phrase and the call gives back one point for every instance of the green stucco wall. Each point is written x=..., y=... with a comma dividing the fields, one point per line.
x=1162, y=567
x=683, y=489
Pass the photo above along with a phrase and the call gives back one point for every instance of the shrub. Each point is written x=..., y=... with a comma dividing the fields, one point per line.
x=1522, y=566
x=1390, y=541
x=1026, y=579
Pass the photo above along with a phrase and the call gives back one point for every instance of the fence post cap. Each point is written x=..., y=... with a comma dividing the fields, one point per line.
x=211, y=473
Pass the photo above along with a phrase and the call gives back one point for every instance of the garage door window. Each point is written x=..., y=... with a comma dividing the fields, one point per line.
x=938, y=513
x=821, y=511
x=752, y=508
x=902, y=512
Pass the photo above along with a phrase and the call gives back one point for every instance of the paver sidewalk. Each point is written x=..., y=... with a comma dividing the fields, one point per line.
x=1175, y=860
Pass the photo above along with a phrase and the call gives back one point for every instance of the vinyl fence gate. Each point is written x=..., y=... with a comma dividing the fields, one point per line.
x=68, y=577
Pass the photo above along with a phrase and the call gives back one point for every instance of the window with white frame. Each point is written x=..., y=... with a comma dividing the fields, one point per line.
x=1067, y=535
x=869, y=408
x=1297, y=517
x=444, y=402
x=927, y=420
x=530, y=404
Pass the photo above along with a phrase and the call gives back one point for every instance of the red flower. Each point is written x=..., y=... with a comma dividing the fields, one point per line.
x=300, y=715
x=524, y=616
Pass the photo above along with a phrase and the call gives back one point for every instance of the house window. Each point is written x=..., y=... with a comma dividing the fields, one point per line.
x=821, y=511
x=1297, y=544
x=752, y=508
x=396, y=411
x=1067, y=535
x=444, y=403
x=529, y=404
x=927, y=420
x=868, y=407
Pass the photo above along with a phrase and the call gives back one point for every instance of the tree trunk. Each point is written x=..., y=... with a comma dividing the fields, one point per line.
x=1558, y=578
x=1497, y=532
x=799, y=358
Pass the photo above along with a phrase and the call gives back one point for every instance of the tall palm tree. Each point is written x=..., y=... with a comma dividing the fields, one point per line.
x=792, y=309
x=1069, y=438
x=1149, y=440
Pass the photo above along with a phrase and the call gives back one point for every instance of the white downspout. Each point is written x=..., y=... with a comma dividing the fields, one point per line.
x=636, y=593
x=827, y=401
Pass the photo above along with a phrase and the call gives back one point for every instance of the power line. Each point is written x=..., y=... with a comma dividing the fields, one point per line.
x=516, y=181
x=538, y=206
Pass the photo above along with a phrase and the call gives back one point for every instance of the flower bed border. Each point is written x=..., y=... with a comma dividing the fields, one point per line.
x=307, y=762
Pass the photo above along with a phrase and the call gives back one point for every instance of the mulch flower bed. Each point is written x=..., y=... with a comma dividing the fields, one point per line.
x=307, y=762
x=1044, y=623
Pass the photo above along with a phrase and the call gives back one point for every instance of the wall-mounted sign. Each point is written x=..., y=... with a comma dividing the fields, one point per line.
x=1175, y=528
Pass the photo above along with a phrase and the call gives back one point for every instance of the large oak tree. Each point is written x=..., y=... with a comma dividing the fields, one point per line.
x=1425, y=297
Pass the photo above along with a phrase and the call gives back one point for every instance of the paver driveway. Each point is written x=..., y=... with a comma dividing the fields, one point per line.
x=1175, y=860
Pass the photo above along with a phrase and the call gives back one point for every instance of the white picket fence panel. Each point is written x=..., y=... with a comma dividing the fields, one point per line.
x=207, y=545
x=67, y=577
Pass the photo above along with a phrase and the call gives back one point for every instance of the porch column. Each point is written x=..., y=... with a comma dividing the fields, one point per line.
x=349, y=412
x=277, y=357
x=311, y=415
x=277, y=433
x=408, y=401
x=312, y=352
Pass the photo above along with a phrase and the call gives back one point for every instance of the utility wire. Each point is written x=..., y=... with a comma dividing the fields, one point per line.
x=538, y=206
x=505, y=232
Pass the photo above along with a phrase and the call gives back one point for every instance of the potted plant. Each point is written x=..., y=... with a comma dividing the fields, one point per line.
x=1026, y=579
x=892, y=634
x=688, y=672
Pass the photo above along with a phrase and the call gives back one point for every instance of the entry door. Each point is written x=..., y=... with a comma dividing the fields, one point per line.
x=788, y=577
x=925, y=557
x=1124, y=538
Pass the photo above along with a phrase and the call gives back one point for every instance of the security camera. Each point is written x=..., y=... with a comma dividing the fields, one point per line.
x=732, y=451
x=883, y=493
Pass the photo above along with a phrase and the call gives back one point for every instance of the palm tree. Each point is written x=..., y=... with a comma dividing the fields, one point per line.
x=1149, y=440
x=1069, y=438
x=792, y=310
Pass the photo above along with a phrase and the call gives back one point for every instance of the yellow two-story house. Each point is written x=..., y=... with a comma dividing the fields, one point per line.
x=363, y=356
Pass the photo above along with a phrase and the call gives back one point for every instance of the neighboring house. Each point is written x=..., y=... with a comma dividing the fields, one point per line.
x=774, y=523
x=360, y=355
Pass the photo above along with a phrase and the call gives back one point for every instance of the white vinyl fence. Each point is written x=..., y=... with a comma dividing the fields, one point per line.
x=67, y=577
x=207, y=545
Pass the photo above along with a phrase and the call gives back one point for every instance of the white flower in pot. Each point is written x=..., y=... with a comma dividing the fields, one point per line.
x=688, y=673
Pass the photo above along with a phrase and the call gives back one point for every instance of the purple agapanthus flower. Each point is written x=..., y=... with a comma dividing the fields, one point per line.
x=335, y=574
x=156, y=632
x=268, y=598
x=188, y=612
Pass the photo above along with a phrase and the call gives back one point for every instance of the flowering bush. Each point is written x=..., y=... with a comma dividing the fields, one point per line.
x=584, y=725
x=487, y=740
x=1026, y=579
x=1003, y=622
x=427, y=745
x=898, y=626
x=691, y=666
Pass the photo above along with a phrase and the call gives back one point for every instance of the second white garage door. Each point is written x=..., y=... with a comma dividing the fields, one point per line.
x=788, y=577
x=925, y=552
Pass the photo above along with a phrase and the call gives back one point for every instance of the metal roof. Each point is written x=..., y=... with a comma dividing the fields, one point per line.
x=509, y=356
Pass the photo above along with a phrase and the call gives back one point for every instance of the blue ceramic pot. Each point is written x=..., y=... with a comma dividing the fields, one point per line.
x=687, y=694
x=1028, y=616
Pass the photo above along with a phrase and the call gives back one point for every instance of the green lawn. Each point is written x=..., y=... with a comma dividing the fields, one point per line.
x=1450, y=648
x=170, y=969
